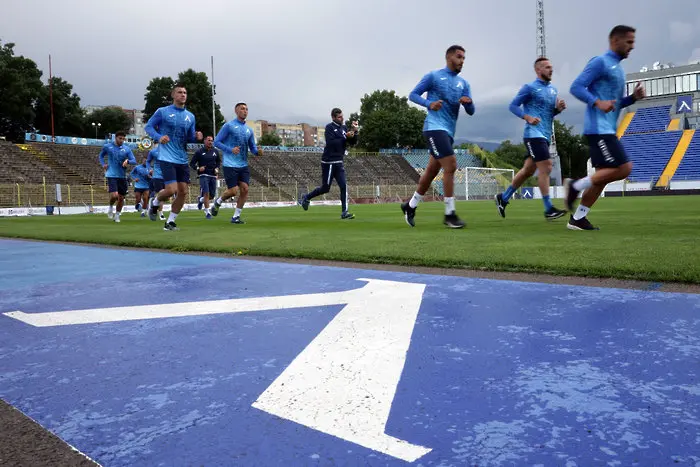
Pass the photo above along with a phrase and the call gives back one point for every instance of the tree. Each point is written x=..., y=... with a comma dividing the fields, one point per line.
x=388, y=121
x=111, y=120
x=512, y=154
x=199, y=98
x=157, y=95
x=20, y=87
x=572, y=150
x=269, y=139
x=68, y=116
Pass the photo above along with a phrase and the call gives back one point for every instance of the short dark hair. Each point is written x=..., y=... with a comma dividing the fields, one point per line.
x=120, y=133
x=541, y=59
x=179, y=85
x=452, y=49
x=240, y=104
x=335, y=112
x=621, y=30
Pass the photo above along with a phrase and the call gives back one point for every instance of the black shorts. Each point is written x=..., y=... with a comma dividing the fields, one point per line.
x=172, y=173
x=537, y=149
x=606, y=151
x=236, y=175
x=141, y=190
x=157, y=186
x=207, y=184
x=117, y=185
x=439, y=143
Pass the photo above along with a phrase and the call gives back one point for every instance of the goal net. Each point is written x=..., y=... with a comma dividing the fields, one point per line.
x=481, y=182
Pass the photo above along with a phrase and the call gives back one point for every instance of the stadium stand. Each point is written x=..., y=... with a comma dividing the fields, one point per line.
x=650, y=153
x=689, y=168
x=650, y=119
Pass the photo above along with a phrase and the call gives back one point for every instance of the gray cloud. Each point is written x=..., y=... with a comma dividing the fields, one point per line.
x=294, y=61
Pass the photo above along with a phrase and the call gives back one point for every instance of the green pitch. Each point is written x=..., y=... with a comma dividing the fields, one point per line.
x=645, y=238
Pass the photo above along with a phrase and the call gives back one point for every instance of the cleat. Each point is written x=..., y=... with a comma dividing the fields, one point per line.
x=554, y=213
x=501, y=205
x=571, y=194
x=453, y=222
x=215, y=209
x=581, y=224
x=116, y=219
x=347, y=215
x=237, y=220
x=153, y=213
x=110, y=215
x=409, y=213
x=170, y=226
x=143, y=213
x=200, y=203
x=162, y=217
x=304, y=203
x=208, y=216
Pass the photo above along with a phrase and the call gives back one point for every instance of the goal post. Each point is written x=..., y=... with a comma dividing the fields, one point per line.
x=481, y=182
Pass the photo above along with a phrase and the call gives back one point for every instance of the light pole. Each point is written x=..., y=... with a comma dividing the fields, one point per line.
x=96, y=126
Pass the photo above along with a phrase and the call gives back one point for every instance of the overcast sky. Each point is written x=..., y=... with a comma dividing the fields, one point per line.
x=293, y=60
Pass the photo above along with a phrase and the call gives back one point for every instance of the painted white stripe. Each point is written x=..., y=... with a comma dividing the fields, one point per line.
x=330, y=174
x=343, y=383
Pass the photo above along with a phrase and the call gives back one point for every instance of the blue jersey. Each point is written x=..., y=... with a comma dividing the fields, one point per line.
x=140, y=176
x=116, y=155
x=236, y=134
x=447, y=86
x=604, y=79
x=153, y=164
x=179, y=125
x=539, y=99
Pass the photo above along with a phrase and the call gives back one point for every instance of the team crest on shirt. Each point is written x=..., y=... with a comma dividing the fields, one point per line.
x=460, y=85
x=187, y=118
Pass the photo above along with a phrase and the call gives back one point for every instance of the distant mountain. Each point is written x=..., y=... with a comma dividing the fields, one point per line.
x=488, y=145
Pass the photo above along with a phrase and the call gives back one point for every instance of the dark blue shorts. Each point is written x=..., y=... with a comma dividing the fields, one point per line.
x=537, y=149
x=236, y=175
x=439, y=143
x=207, y=185
x=175, y=172
x=117, y=185
x=606, y=151
x=141, y=190
x=157, y=186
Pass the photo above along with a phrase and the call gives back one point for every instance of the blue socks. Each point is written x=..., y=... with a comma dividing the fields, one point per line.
x=508, y=193
x=547, y=203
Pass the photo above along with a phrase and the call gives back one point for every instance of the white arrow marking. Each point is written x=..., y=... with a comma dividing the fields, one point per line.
x=342, y=384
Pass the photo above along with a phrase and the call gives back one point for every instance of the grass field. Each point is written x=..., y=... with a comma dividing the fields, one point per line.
x=645, y=238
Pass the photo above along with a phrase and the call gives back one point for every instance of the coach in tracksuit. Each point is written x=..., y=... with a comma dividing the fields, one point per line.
x=205, y=162
x=337, y=140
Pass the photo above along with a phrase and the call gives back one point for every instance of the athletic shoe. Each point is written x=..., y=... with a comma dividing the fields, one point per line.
x=571, y=194
x=215, y=209
x=501, y=205
x=554, y=213
x=304, y=203
x=581, y=224
x=237, y=220
x=170, y=226
x=453, y=222
x=347, y=215
x=409, y=213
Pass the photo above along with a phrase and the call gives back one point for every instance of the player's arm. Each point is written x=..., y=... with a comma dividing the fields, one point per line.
x=153, y=124
x=149, y=159
x=416, y=96
x=334, y=139
x=579, y=88
x=192, y=135
x=134, y=175
x=252, y=145
x=103, y=153
x=521, y=98
x=468, y=103
x=131, y=159
x=220, y=138
x=353, y=139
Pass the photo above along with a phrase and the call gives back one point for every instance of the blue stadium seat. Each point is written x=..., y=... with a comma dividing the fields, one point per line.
x=689, y=169
x=650, y=119
x=650, y=153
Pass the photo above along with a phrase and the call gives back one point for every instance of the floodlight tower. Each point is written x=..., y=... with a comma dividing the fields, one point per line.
x=541, y=42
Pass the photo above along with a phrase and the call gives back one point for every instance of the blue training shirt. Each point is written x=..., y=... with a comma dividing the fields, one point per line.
x=179, y=125
x=152, y=163
x=603, y=78
x=116, y=155
x=140, y=176
x=445, y=85
x=236, y=133
x=539, y=99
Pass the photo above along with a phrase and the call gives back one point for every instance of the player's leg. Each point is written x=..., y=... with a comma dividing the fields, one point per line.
x=339, y=176
x=208, y=195
x=426, y=178
x=449, y=167
x=182, y=177
x=544, y=168
x=242, y=198
x=231, y=179
x=113, y=196
x=523, y=174
x=169, y=188
x=322, y=189
x=611, y=164
x=203, y=187
x=137, y=199
x=121, y=191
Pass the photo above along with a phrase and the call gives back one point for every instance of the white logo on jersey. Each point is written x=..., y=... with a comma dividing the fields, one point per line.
x=187, y=118
x=171, y=115
x=460, y=85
